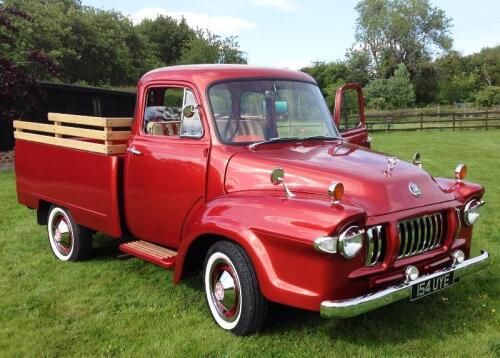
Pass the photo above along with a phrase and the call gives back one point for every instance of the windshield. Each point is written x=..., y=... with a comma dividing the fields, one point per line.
x=262, y=110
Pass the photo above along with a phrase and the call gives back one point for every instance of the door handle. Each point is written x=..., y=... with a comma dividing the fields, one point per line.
x=134, y=151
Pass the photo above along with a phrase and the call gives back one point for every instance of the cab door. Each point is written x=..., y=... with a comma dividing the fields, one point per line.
x=166, y=163
x=349, y=114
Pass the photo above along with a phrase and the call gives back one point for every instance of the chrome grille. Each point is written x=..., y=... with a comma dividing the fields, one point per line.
x=376, y=245
x=421, y=234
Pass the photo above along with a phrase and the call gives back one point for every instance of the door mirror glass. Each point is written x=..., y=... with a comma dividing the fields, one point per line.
x=277, y=176
x=189, y=111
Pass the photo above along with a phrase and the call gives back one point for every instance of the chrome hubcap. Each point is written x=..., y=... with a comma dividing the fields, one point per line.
x=62, y=235
x=225, y=290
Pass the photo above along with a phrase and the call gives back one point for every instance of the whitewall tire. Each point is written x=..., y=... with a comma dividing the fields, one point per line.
x=69, y=241
x=232, y=289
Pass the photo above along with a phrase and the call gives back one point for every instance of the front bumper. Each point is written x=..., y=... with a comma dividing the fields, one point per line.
x=355, y=306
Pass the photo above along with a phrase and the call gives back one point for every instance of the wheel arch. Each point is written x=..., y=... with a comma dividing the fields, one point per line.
x=42, y=212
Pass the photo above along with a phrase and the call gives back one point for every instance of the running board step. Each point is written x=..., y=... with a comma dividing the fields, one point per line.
x=150, y=252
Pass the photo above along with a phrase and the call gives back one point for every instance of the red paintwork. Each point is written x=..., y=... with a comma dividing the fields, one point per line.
x=86, y=183
x=181, y=190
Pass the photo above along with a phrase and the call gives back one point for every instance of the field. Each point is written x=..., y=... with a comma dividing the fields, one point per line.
x=109, y=307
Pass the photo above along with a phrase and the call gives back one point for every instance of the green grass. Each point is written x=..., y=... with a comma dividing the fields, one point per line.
x=109, y=306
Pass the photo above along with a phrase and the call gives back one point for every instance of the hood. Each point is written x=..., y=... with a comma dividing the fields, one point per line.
x=310, y=168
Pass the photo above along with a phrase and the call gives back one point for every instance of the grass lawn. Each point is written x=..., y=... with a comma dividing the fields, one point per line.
x=109, y=306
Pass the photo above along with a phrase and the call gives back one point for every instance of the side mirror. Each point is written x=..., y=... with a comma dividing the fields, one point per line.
x=281, y=107
x=277, y=176
x=189, y=111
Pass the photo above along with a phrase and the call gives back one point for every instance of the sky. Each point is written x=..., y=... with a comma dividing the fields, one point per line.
x=293, y=33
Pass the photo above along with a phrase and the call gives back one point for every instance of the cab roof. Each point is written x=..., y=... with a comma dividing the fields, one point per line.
x=204, y=75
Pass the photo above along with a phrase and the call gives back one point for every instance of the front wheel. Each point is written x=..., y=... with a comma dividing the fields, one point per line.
x=232, y=289
x=69, y=241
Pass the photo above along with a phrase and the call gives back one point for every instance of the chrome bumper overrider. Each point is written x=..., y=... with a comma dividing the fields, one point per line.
x=355, y=306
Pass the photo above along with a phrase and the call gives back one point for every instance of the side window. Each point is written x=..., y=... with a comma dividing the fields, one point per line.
x=350, y=116
x=164, y=113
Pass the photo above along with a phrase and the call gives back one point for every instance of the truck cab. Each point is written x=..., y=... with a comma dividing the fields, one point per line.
x=243, y=173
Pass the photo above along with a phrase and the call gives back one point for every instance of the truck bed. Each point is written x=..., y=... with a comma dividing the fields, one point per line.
x=87, y=183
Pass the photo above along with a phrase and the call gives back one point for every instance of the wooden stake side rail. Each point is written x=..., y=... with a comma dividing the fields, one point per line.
x=106, y=133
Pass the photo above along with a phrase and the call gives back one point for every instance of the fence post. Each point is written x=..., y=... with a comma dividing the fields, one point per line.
x=453, y=120
x=421, y=122
x=486, y=122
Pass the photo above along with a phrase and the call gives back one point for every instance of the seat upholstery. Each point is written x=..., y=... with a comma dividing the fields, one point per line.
x=167, y=128
x=250, y=129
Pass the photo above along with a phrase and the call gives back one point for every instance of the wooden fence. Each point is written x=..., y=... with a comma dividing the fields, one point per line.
x=411, y=121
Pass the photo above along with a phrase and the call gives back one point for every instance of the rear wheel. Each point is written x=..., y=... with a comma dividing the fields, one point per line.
x=69, y=241
x=232, y=290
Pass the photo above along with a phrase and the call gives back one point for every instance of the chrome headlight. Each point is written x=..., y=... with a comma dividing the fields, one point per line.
x=351, y=241
x=348, y=243
x=471, y=211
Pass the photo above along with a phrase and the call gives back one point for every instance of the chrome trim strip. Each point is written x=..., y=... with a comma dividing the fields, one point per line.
x=379, y=243
x=356, y=306
x=370, y=247
x=423, y=226
x=435, y=225
x=374, y=245
x=459, y=222
x=407, y=238
x=441, y=237
x=428, y=223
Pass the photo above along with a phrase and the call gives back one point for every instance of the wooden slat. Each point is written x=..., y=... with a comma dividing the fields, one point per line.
x=82, y=145
x=90, y=121
x=39, y=138
x=118, y=135
x=118, y=122
x=40, y=127
x=68, y=143
x=81, y=132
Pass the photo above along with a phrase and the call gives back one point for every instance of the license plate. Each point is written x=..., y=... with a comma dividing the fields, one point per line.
x=432, y=285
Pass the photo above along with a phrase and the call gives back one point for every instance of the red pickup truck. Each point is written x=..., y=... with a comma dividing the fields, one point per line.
x=243, y=173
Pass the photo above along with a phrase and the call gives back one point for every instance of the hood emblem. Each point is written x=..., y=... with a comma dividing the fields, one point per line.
x=391, y=163
x=414, y=189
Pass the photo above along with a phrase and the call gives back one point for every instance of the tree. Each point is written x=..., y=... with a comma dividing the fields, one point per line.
x=98, y=47
x=19, y=92
x=376, y=94
x=329, y=76
x=400, y=88
x=486, y=63
x=359, y=68
x=401, y=31
x=395, y=92
x=92, y=46
x=488, y=96
x=205, y=47
x=167, y=36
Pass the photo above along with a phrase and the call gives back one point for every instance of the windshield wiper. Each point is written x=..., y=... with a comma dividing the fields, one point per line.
x=274, y=140
x=326, y=137
x=289, y=139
